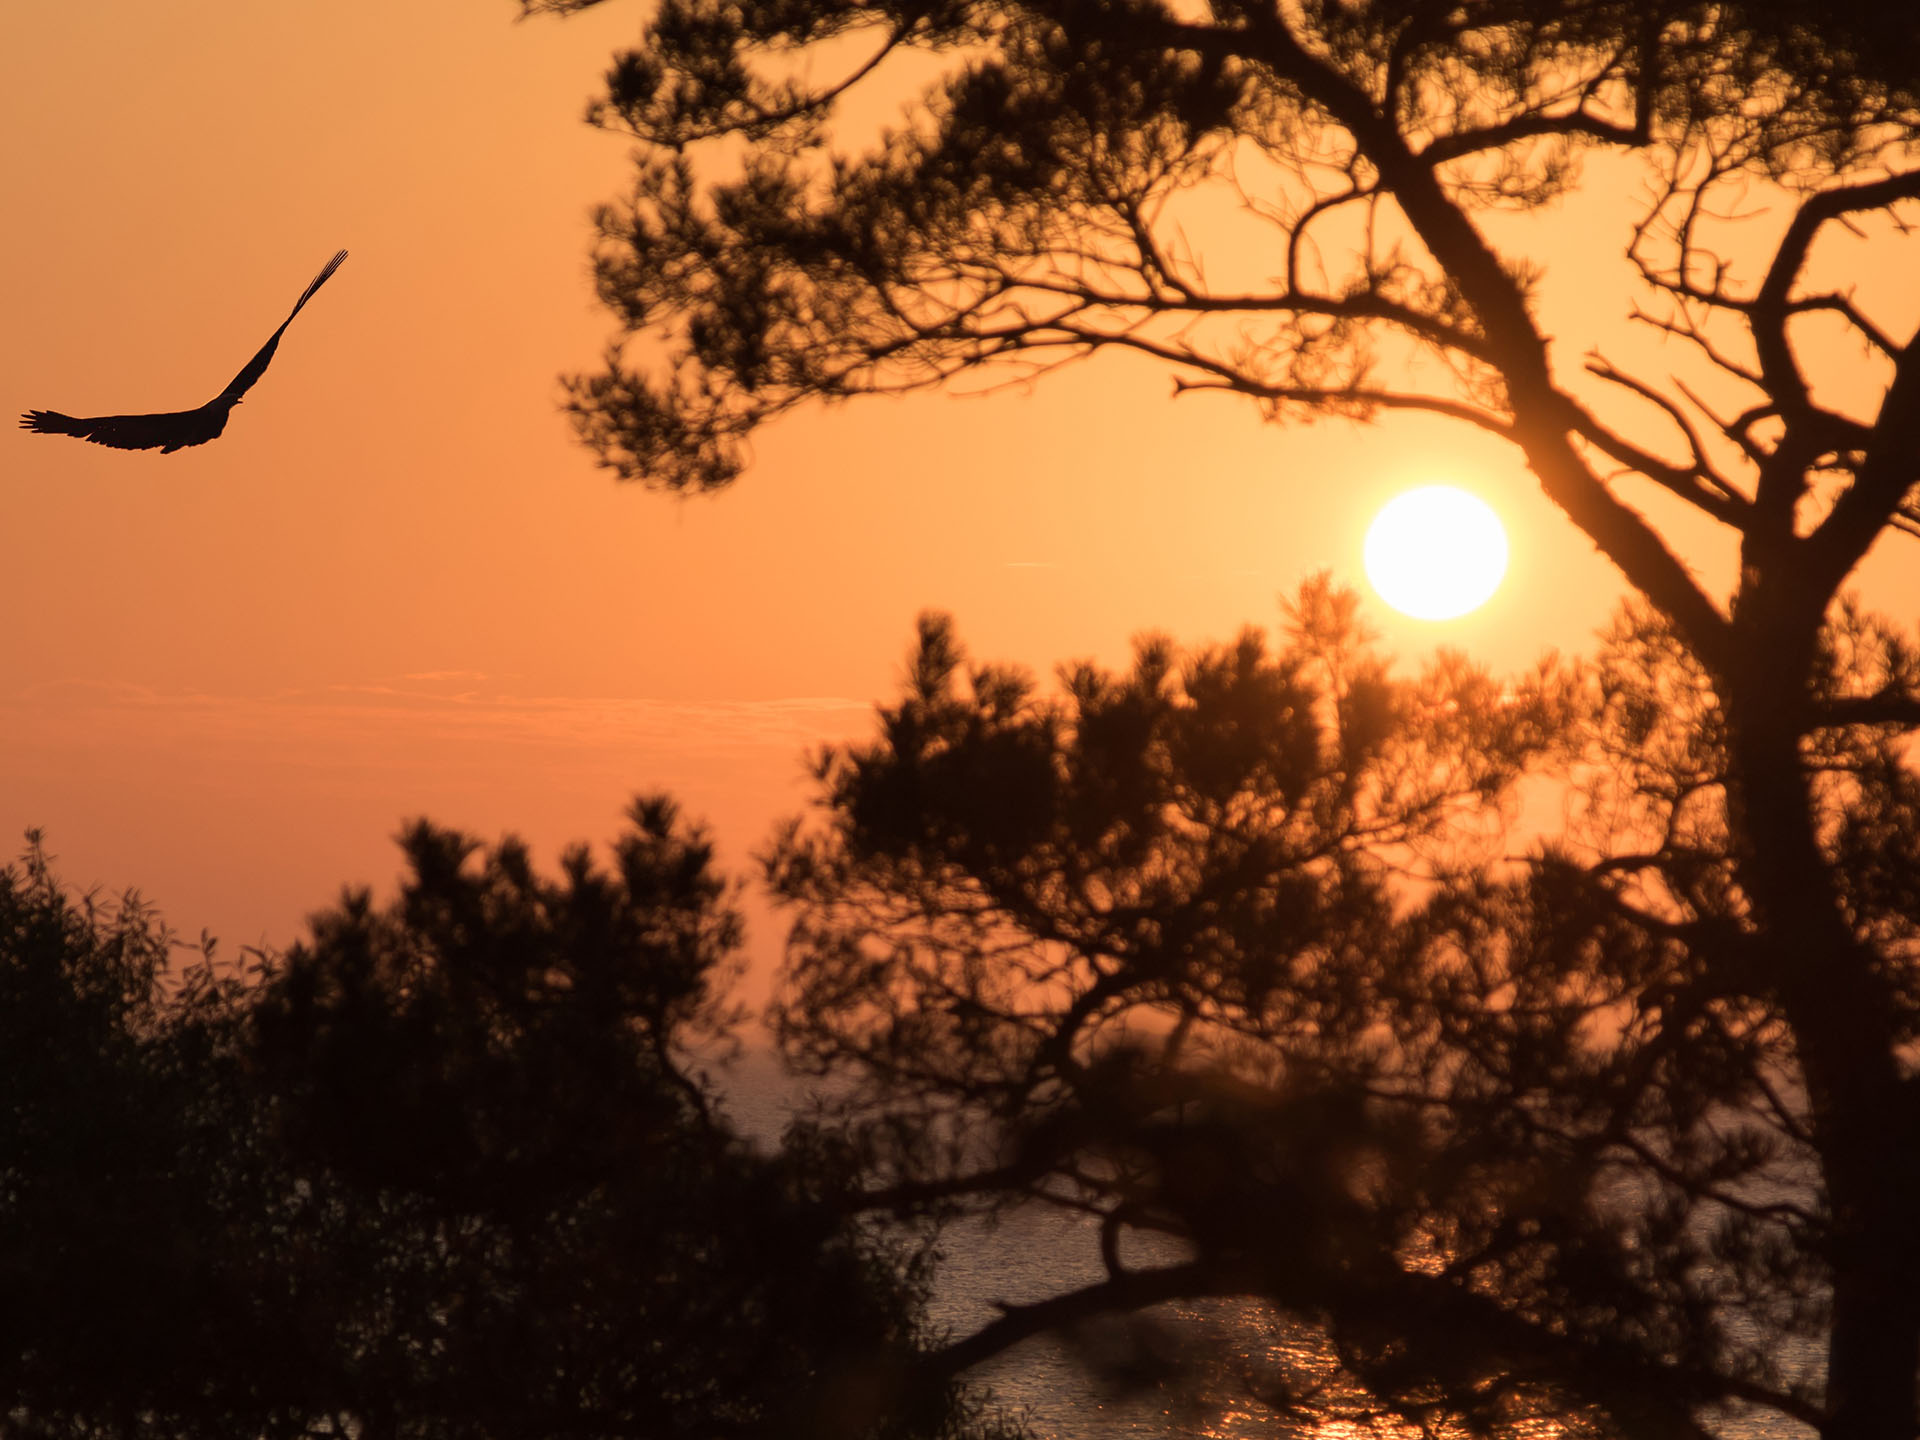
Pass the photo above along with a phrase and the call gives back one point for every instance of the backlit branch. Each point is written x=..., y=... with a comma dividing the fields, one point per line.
x=1699, y=484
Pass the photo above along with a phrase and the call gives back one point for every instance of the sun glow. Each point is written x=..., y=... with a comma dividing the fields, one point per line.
x=1435, y=553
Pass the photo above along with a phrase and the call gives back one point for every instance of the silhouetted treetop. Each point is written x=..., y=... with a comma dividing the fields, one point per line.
x=1216, y=954
x=124, y=1162
x=497, y=1021
x=1222, y=842
x=1310, y=205
x=1278, y=202
x=446, y=1169
x=494, y=1079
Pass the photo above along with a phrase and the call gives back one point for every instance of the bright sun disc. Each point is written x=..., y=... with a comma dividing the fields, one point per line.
x=1435, y=552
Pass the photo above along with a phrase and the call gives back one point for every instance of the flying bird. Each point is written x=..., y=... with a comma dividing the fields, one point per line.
x=179, y=428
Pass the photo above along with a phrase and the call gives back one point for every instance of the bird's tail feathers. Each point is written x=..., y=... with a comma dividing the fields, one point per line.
x=52, y=422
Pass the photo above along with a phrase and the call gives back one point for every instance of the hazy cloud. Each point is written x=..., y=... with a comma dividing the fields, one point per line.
x=405, y=711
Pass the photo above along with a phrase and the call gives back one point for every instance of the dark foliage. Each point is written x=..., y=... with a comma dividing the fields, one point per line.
x=445, y=1169
x=119, y=1151
x=1298, y=204
x=1218, y=954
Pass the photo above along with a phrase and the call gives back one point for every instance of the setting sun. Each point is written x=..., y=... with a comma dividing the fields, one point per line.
x=1435, y=553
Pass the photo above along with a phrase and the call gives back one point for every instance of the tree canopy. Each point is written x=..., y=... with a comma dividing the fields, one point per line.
x=1302, y=204
x=447, y=1168
x=119, y=1152
x=1247, y=969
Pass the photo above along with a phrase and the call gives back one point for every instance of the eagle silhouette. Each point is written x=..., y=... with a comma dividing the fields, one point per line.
x=179, y=428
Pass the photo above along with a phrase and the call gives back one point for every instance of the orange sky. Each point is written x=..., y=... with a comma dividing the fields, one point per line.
x=397, y=587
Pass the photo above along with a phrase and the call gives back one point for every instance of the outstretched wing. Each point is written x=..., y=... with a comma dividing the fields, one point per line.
x=180, y=428
x=257, y=366
x=122, y=432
